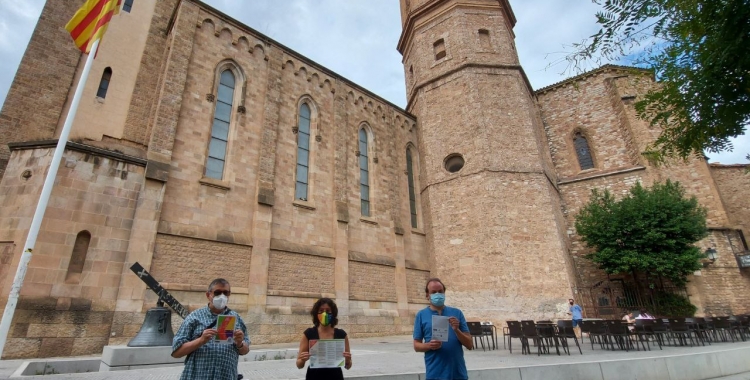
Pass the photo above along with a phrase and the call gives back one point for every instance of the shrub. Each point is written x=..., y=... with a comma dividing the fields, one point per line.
x=673, y=305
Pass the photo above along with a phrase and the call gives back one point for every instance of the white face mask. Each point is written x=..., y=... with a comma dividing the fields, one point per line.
x=220, y=302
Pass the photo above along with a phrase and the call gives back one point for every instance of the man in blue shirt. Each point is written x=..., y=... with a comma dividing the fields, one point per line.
x=442, y=360
x=206, y=358
x=577, y=316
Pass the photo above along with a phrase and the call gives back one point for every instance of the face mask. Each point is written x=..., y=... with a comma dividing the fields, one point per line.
x=437, y=299
x=220, y=302
x=571, y=303
x=324, y=318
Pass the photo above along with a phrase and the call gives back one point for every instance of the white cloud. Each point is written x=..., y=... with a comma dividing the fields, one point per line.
x=357, y=39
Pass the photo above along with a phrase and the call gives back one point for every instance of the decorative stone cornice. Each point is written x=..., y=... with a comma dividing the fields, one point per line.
x=591, y=73
x=79, y=147
x=588, y=176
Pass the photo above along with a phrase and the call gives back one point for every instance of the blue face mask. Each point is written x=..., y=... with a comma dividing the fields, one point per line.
x=437, y=299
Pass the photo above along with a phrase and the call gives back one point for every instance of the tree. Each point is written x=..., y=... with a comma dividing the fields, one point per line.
x=697, y=49
x=648, y=231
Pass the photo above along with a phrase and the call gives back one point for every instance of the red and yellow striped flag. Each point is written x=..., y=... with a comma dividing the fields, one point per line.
x=91, y=21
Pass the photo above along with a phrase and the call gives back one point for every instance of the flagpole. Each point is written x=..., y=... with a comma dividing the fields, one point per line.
x=41, y=207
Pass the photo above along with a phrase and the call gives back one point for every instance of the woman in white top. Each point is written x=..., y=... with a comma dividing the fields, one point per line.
x=628, y=317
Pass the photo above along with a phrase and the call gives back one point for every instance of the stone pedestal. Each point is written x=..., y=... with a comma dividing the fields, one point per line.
x=117, y=358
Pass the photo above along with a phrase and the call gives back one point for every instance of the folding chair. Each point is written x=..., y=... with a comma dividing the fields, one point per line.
x=680, y=331
x=565, y=331
x=597, y=331
x=488, y=329
x=476, y=331
x=528, y=328
x=514, y=331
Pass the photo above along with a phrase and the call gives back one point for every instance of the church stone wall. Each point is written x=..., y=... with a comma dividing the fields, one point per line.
x=62, y=311
x=500, y=258
x=182, y=261
x=600, y=104
x=204, y=207
x=151, y=68
x=733, y=182
x=334, y=250
x=585, y=108
x=291, y=273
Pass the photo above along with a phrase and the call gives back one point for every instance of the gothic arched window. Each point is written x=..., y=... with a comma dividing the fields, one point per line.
x=217, y=147
x=364, y=173
x=583, y=152
x=303, y=153
x=78, y=257
x=101, y=92
x=412, y=190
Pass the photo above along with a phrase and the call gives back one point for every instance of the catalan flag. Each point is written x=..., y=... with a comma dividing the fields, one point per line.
x=91, y=21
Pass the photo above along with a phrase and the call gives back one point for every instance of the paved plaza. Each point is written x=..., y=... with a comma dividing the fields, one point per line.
x=394, y=355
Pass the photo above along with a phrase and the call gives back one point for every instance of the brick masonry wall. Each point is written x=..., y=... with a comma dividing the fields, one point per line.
x=415, y=283
x=602, y=103
x=586, y=108
x=56, y=327
x=694, y=174
x=6, y=256
x=291, y=272
x=733, y=182
x=491, y=227
x=92, y=193
x=720, y=287
x=181, y=260
x=722, y=291
x=371, y=282
x=144, y=95
x=39, y=90
x=173, y=80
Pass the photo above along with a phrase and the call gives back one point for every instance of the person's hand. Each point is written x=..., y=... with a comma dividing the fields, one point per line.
x=348, y=360
x=455, y=324
x=434, y=345
x=207, y=335
x=239, y=338
x=304, y=356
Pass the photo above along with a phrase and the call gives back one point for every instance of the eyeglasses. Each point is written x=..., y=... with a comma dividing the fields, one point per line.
x=220, y=292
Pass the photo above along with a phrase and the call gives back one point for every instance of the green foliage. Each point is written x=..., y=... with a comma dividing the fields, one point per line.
x=672, y=305
x=649, y=231
x=698, y=50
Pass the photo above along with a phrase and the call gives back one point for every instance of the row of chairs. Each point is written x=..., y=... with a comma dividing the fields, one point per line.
x=617, y=333
x=608, y=333
x=676, y=331
x=543, y=334
x=705, y=330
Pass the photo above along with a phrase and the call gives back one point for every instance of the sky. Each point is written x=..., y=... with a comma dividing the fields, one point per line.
x=357, y=39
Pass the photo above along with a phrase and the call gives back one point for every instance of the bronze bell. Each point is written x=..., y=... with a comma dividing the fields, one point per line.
x=156, y=329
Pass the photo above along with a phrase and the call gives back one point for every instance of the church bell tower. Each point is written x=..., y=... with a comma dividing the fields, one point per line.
x=494, y=225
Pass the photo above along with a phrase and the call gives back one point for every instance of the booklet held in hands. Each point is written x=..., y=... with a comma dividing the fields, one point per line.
x=327, y=353
x=225, y=329
x=440, y=327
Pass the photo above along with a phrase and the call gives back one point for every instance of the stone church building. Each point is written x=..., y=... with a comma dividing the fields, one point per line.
x=203, y=148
